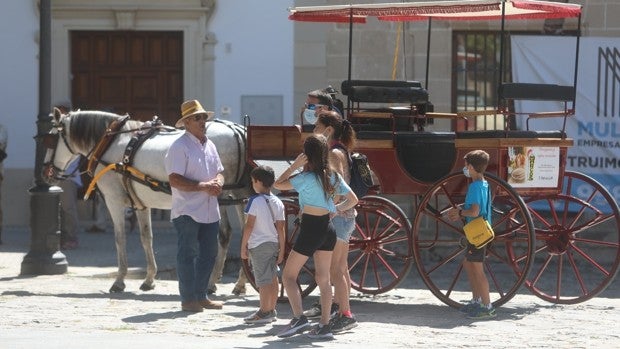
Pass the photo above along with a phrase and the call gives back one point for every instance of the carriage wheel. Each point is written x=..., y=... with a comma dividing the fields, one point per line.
x=380, y=251
x=578, y=241
x=440, y=244
x=305, y=280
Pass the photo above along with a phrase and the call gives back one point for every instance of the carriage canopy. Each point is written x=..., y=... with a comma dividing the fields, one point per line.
x=440, y=10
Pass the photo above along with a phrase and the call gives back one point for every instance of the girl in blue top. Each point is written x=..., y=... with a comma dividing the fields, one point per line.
x=316, y=186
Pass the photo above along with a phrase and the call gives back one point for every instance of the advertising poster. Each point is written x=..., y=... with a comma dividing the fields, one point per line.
x=533, y=167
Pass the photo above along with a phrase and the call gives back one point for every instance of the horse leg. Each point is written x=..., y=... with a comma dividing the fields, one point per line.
x=146, y=237
x=222, y=251
x=118, y=219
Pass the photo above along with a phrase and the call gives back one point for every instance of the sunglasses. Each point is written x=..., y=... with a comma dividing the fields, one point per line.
x=201, y=117
x=313, y=106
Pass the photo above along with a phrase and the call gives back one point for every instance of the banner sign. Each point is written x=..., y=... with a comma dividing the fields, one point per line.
x=595, y=127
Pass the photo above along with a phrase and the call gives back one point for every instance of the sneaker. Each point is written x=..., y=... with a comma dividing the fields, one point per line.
x=297, y=325
x=261, y=318
x=321, y=332
x=469, y=306
x=342, y=323
x=482, y=312
x=314, y=311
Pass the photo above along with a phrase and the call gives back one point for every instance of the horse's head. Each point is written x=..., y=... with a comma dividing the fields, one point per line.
x=59, y=152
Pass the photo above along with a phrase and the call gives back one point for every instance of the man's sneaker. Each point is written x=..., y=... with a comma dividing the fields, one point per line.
x=297, y=325
x=469, y=306
x=315, y=311
x=482, y=312
x=342, y=323
x=261, y=318
x=321, y=332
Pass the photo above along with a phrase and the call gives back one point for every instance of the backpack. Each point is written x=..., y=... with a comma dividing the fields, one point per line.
x=361, y=178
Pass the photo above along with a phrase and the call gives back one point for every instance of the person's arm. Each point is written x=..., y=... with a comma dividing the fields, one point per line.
x=212, y=187
x=281, y=240
x=247, y=231
x=283, y=182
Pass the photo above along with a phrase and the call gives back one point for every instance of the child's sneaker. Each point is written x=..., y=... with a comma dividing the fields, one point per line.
x=342, y=323
x=314, y=311
x=469, y=306
x=261, y=318
x=482, y=312
x=321, y=332
x=297, y=325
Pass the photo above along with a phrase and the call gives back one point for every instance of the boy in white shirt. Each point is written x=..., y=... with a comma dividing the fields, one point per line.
x=263, y=242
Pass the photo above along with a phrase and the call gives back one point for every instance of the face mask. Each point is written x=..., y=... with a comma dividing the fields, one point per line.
x=466, y=172
x=310, y=116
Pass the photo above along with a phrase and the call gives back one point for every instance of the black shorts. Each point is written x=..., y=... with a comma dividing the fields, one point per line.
x=315, y=233
x=474, y=254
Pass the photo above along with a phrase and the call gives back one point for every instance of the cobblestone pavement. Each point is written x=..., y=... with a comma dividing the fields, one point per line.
x=75, y=310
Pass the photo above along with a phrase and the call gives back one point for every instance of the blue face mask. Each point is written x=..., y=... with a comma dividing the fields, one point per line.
x=310, y=116
x=466, y=172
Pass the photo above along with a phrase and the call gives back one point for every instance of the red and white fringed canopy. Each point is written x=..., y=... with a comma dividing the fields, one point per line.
x=440, y=10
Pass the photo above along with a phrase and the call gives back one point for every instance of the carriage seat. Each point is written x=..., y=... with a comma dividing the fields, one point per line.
x=510, y=134
x=385, y=91
x=537, y=92
x=426, y=156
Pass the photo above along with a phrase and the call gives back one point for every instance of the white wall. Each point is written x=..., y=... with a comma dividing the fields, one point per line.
x=19, y=79
x=254, y=54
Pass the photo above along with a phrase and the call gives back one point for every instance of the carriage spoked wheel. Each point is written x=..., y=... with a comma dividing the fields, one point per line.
x=578, y=241
x=440, y=244
x=305, y=280
x=380, y=253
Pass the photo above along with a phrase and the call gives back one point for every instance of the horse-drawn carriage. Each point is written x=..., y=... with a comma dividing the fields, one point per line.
x=547, y=237
x=564, y=247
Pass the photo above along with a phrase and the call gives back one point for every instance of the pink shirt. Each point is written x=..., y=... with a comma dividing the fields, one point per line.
x=200, y=162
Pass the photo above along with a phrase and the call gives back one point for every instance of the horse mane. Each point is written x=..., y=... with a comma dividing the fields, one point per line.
x=88, y=126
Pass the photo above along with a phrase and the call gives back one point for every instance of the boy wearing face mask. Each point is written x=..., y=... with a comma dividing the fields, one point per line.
x=316, y=101
x=476, y=204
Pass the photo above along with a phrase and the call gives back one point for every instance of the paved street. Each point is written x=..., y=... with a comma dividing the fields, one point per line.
x=74, y=310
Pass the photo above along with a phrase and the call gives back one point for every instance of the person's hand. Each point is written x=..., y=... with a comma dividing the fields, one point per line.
x=213, y=187
x=244, y=252
x=453, y=214
x=280, y=257
x=300, y=161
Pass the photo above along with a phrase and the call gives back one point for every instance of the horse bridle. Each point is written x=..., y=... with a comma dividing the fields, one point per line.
x=50, y=141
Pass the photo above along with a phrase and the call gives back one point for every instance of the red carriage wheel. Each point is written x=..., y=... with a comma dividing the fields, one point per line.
x=440, y=245
x=305, y=280
x=380, y=252
x=578, y=241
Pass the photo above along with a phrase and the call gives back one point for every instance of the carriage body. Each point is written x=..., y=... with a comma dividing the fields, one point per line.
x=548, y=237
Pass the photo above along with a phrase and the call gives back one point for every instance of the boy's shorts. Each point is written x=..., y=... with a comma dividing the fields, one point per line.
x=473, y=254
x=344, y=227
x=263, y=259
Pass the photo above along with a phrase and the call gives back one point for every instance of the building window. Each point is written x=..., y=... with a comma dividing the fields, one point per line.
x=476, y=60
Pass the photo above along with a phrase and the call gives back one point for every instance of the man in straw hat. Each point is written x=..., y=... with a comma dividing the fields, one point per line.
x=195, y=174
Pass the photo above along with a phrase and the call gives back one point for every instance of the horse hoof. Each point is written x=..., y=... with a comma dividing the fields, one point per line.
x=238, y=290
x=117, y=288
x=146, y=287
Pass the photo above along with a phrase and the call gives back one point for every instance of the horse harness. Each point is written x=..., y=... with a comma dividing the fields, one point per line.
x=130, y=174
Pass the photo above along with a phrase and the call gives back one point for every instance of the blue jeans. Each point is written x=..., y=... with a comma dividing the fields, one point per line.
x=196, y=252
x=344, y=227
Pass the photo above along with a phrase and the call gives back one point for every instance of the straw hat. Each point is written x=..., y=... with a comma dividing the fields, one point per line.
x=191, y=108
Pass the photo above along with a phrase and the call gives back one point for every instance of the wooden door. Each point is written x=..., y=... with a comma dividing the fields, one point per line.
x=134, y=72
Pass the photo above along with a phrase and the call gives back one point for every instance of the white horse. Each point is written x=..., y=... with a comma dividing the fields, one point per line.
x=78, y=133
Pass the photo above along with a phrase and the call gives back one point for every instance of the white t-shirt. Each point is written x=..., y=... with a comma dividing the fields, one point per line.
x=264, y=229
